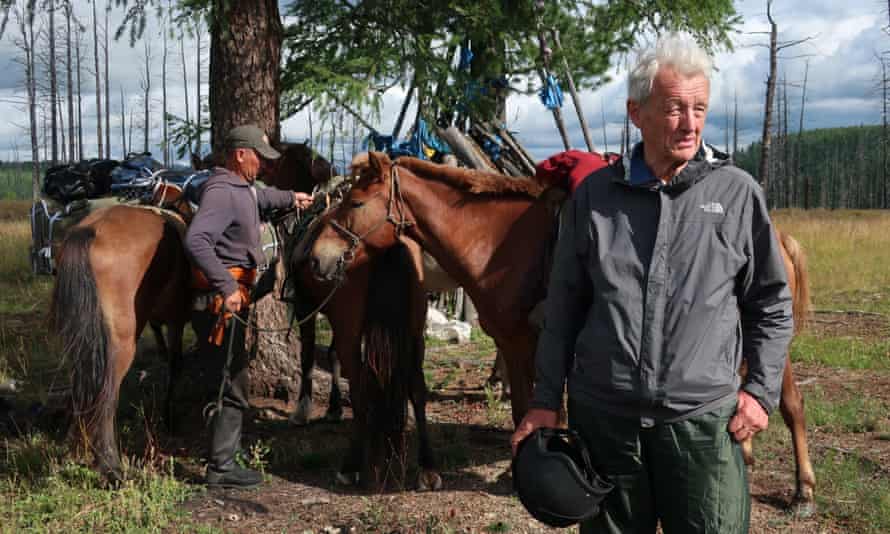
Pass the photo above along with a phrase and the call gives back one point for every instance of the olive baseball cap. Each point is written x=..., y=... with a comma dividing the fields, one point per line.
x=250, y=136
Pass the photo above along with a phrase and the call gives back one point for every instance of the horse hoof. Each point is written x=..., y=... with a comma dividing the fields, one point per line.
x=347, y=479
x=803, y=508
x=298, y=419
x=333, y=416
x=429, y=481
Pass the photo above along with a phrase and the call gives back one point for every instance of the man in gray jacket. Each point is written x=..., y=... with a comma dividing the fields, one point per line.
x=667, y=275
x=223, y=245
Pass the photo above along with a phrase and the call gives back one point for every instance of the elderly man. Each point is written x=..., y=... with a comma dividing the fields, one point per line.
x=223, y=244
x=667, y=274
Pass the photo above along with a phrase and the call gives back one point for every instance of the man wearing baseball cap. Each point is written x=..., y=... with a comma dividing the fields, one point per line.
x=223, y=245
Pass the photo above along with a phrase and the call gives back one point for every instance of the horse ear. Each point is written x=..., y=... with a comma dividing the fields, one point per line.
x=379, y=163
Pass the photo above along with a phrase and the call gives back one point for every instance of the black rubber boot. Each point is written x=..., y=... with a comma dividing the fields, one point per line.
x=222, y=470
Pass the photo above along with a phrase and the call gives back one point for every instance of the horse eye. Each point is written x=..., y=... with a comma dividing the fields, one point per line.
x=357, y=203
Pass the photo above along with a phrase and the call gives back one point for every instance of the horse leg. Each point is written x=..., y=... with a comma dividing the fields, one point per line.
x=792, y=407
x=335, y=399
x=519, y=357
x=158, y=331
x=175, y=332
x=307, y=363
x=428, y=478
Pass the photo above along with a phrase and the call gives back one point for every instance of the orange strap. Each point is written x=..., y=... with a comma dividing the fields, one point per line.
x=216, y=306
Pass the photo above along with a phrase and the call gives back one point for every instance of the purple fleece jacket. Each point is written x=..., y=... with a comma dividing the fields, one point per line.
x=226, y=230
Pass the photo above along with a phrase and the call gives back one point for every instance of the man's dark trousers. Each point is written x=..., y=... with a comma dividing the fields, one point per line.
x=689, y=475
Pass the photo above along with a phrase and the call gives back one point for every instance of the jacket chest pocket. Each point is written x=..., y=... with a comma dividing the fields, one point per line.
x=704, y=251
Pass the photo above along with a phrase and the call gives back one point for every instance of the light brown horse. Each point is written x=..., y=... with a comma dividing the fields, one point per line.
x=490, y=232
x=119, y=269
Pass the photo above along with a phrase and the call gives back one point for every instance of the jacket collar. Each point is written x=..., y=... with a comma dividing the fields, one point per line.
x=222, y=174
x=697, y=169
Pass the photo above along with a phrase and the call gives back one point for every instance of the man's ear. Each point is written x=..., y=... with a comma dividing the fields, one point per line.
x=633, y=111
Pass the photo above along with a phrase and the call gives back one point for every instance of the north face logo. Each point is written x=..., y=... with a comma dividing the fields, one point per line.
x=712, y=207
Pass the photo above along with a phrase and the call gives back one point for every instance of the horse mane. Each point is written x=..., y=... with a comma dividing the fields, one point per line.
x=472, y=180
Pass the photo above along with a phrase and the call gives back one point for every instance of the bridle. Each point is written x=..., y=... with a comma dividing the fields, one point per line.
x=395, y=214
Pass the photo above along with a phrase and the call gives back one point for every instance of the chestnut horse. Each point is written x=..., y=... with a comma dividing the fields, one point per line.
x=120, y=268
x=489, y=232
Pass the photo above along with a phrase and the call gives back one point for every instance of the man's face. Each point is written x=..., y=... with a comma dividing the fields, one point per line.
x=672, y=119
x=249, y=163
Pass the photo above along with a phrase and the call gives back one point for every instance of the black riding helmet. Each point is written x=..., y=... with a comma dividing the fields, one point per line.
x=554, y=478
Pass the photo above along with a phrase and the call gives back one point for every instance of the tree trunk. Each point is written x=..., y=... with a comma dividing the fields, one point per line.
x=185, y=89
x=146, y=87
x=107, y=91
x=763, y=174
x=245, y=54
x=79, y=100
x=198, y=87
x=165, y=141
x=123, y=125
x=799, y=152
x=98, y=81
x=69, y=65
x=53, y=84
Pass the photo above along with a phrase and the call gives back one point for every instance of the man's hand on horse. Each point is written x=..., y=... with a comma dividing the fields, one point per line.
x=302, y=200
x=749, y=419
x=535, y=418
x=234, y=302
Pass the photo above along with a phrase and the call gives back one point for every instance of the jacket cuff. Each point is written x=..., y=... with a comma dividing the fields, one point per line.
x=229, y=287
x=759, y=393
x=545, y=403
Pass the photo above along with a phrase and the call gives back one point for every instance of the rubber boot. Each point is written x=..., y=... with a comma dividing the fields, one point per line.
x=223, y=471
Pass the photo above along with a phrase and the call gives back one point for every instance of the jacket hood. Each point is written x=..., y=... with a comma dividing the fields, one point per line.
x=697, y=169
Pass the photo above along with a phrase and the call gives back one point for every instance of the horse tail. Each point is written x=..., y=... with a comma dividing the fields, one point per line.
x=76, y=317
x=801, y=298
x=384, y=376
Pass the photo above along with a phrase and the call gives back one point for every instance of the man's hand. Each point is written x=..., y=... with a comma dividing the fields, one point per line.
x=233, y=302
x=749, y=419
x=534, y=419
x=302, y=200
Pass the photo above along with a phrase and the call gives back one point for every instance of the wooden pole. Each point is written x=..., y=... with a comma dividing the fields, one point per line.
x=405, y=104
x=574, y=92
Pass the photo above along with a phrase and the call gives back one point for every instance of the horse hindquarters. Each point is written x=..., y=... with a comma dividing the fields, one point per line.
x=76, y=316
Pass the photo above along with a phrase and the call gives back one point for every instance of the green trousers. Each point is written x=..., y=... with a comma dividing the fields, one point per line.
x=689, y=475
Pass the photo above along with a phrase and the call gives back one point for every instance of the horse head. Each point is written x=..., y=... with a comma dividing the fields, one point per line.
x=370, y=219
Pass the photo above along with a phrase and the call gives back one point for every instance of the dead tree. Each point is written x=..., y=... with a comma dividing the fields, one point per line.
x=98, y=80
x=69, y=66
x=802, y=177
x=24, y=17
x=107, y=90
x=165, y=141
x=774, y=48
x=145, y=84
x=123, y=125
x=79, y=96
x=185, y=87
x=53, y=81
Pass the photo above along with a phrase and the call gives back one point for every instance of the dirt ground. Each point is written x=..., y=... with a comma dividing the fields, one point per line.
x=469, y=430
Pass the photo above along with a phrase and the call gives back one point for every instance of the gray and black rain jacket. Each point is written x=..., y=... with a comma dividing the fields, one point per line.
x=658, y=291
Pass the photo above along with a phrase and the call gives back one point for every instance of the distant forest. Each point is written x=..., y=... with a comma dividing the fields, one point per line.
x=828, y=168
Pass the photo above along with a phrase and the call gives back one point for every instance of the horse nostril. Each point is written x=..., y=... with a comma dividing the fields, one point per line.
x=315, y=264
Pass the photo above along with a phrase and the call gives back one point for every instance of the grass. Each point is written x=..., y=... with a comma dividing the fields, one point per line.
x=47, y=492
x=44, y=489
x=848, y=253
x=842, y=352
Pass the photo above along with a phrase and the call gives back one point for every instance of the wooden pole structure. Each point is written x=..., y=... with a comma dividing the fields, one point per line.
x=546, y=54
x=574, y=92
x=398, y=126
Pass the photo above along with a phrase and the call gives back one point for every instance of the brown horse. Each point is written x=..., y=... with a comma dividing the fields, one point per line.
x=120, y=268
x=489, y=232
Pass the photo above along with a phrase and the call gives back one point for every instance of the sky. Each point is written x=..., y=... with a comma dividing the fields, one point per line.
x=842, y=82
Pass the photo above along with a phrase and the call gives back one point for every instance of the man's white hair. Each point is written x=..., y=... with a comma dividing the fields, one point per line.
x=676, y=51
